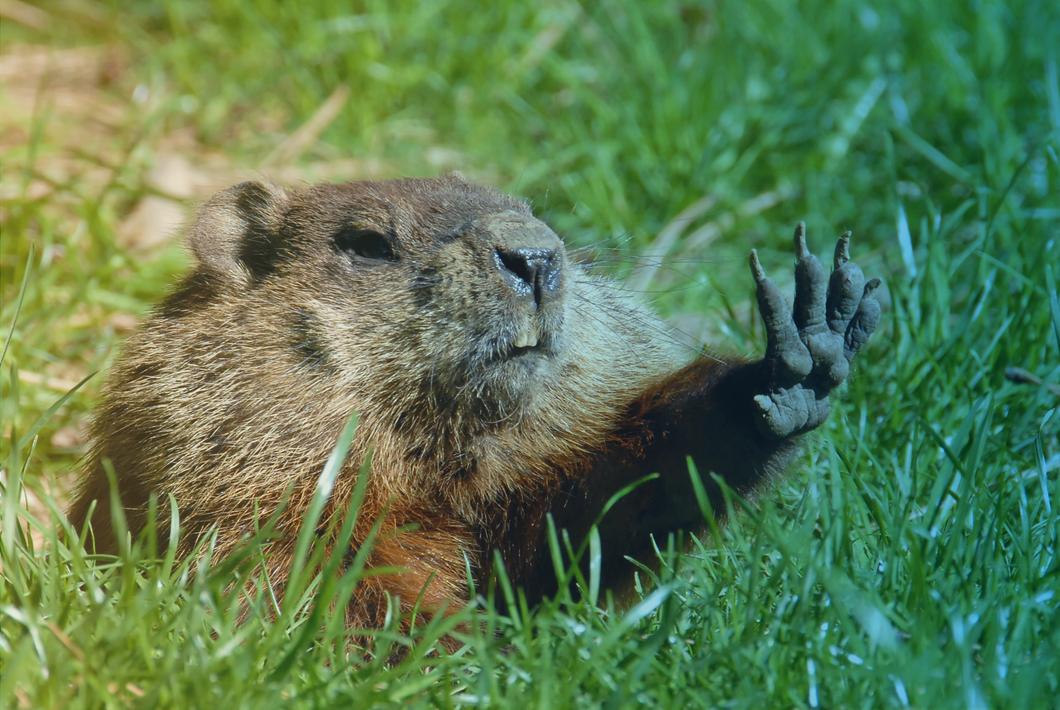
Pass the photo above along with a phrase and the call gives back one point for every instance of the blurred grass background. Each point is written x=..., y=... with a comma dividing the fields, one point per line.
x=911, y=557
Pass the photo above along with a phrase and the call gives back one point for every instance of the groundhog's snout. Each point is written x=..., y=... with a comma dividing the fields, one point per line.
x=531, y=273
x=528, y=256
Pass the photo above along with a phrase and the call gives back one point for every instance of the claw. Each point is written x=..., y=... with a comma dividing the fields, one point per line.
x=842, y=249
x=756, y=266
x=810, y=287
x=801, y=251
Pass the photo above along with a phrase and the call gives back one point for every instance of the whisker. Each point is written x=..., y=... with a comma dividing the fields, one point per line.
x=666, y=331
x=601, y=323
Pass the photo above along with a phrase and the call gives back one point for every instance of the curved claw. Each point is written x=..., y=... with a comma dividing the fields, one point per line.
x=842, y=249
x=811, y=285
x=756, y=267
x=801, y=250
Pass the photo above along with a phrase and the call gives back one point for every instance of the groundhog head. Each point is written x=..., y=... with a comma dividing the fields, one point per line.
x=449, y=292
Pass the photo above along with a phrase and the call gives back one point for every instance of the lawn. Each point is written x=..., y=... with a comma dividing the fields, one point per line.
x=909, y=559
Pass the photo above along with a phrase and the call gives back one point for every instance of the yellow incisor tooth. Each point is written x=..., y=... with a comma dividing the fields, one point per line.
x=527, y=335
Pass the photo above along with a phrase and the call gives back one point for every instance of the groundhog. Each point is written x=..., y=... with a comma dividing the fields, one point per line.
x=496, y=383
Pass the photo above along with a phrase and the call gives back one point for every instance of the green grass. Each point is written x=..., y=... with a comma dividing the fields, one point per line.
x=909, y=559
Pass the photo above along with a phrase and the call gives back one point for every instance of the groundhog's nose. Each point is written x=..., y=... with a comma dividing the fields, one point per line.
x=530, y=272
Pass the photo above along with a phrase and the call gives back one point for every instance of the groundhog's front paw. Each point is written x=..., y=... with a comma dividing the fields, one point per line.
x=810, y=347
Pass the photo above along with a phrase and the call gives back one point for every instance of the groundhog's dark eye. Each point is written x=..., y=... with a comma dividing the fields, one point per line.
x=365, y=243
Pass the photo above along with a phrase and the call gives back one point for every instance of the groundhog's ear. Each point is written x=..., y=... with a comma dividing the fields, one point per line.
x=236, y=234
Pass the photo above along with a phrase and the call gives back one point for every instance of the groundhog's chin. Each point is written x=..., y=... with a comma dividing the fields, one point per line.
x=508, y=388
x=503, y=374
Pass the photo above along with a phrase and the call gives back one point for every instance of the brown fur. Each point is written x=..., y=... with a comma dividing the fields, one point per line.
x=238, y=386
